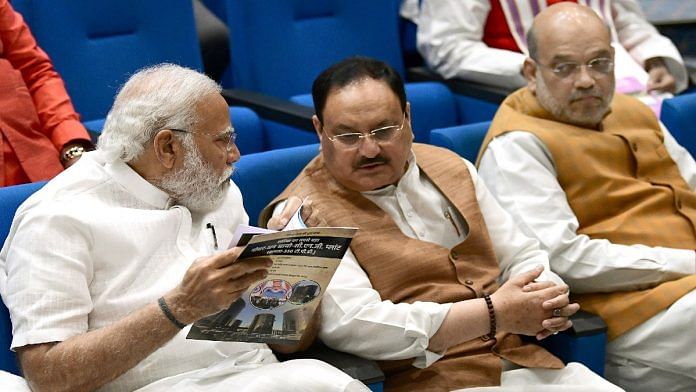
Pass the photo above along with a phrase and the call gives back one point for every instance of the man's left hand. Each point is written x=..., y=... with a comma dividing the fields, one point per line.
x=559, y=308
x=659, y=77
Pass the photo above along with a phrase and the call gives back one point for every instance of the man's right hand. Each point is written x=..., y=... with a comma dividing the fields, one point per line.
x=521, y=311
x=212, y=283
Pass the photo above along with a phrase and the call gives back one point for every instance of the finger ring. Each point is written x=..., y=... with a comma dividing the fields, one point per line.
x=556, y=312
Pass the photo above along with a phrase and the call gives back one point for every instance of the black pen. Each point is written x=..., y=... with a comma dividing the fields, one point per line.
x=212, y=228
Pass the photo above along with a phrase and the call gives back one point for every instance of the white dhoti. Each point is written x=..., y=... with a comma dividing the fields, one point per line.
x=575, y=377
x=658, y=355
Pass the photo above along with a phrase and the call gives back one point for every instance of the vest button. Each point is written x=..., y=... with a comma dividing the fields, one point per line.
x=469, y=282
x=454, y=255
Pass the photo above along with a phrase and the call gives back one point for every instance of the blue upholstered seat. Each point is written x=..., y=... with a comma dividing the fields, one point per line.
x=679, y=116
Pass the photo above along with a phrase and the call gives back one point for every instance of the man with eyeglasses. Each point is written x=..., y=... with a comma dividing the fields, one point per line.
x=108, y=264
x=418, y=289
x=608, y=192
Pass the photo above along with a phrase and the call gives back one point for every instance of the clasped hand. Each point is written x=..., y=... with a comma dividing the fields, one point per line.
x=525, y=306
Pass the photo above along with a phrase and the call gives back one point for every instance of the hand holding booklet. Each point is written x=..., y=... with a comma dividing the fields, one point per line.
x=279, y=308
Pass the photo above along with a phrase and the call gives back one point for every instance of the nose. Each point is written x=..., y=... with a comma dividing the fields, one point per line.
x=584, y=79
x=369, y=148
x=233, y=154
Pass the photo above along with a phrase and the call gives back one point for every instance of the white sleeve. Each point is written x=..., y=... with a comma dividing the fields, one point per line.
x=48, y=274
x=642, y=40
x=520, y=173
x=684, y=160
x=450, y=39
x=355, y=319
x=516, y=251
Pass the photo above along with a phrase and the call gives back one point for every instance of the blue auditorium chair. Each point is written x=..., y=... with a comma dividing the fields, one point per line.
x=465, y=140
x=278, y=47
x=679, y=116
x=97, y=45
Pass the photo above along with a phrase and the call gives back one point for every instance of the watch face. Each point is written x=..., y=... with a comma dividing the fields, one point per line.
x=73, y=152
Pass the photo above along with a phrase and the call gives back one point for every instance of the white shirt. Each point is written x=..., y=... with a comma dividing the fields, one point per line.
x=97, y=243
x=450, y=39
x=355, y=318
x=520, y=173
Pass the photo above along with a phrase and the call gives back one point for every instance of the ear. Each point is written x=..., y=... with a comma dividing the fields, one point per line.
x=408, y=118
x=317, y=126
x=166, y=148
x=529, y=69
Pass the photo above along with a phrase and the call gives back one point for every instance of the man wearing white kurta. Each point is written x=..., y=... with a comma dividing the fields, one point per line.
x=89, y=255
x=484, y=41
x=419, y=288
x=531, y=180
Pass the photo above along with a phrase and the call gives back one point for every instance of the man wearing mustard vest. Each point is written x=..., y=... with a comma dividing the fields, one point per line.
x=608, y=192
x=438, y=282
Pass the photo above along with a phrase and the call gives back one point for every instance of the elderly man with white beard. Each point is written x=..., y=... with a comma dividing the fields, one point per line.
x=107, y=264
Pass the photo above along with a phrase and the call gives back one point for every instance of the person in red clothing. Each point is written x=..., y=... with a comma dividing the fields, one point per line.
x=485, y=41
x=41, y=133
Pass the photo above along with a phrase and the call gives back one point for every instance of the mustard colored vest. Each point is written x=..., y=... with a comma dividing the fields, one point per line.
x=403, y=269
x=622, y=185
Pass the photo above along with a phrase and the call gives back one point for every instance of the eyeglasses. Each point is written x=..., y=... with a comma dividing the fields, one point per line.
x=598, y=67
x=229, y=136
x=379, y=135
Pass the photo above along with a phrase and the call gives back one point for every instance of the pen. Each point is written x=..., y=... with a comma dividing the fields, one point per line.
x=212, y=229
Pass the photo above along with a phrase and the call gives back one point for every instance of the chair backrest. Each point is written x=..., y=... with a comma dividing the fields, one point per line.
x=432, y=106
x=10, y=198
x=465, y=140
x=279, y=46
x=262, y=176
x=96, y=45
x=679, y=116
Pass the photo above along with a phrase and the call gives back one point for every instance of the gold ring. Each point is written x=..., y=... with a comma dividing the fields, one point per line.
x=556, y=312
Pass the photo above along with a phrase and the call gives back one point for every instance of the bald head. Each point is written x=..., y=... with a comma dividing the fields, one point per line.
x=564, y=19
x=571, y=64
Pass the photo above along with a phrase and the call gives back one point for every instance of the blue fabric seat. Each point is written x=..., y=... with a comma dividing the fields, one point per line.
x=679, y=116
x=97, y=45
x=465, y=140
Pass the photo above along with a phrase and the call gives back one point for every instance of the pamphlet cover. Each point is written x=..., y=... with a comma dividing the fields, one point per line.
x=278, y=309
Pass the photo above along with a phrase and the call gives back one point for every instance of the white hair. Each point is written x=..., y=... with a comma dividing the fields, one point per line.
x=163, y=96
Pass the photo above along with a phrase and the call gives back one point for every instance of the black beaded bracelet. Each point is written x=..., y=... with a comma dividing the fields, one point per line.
x=168, y=313
x=491, y=317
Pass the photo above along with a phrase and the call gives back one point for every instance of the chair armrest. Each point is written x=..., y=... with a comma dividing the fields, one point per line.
x=585, y=342
x=480, y=91
x=585, y=323
x=272, y=108
x=362, y=369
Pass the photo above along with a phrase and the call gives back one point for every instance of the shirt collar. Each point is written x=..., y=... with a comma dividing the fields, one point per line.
x=138, y=186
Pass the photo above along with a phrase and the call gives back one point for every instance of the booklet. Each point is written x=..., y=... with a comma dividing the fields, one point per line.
x=278, y=309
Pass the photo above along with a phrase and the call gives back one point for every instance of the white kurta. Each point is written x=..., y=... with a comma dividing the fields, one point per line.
x=450, y=38
x=520, y=172
x=99, y=242
x=355, y=319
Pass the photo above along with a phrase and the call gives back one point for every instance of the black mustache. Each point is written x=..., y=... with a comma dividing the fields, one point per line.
x=370, y=161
